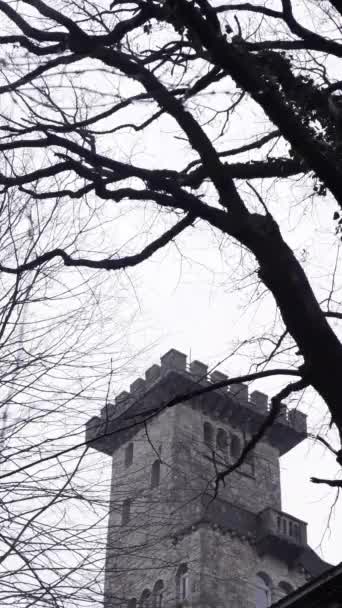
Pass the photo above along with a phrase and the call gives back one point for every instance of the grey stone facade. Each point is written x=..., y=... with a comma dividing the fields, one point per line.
x=324, y=590
x=168, y=535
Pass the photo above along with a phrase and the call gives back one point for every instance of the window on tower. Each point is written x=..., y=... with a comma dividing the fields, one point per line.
x=263, y=595
x=235, y=447
x=126, y=511
x=221, y=440
x=182, y=583
x=155, y=474
x=285, y=588
x=129, y=454
x=145, y=599
x=208, y=434
x=158, y=591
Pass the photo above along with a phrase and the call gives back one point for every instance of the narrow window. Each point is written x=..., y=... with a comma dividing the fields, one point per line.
x=126, y=511
x=235, y=447
x=208, y=434
x=263, y=597
x=155, y=474
x=221, y=440
x=132, y=603
x=145, y=599
x=129, y=454
x=158, y=591
x=182, y=583
x=285, y=588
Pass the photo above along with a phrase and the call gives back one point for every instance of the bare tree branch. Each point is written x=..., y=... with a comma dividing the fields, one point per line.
x=107, y=263
x=276, y=404
x=334, y=483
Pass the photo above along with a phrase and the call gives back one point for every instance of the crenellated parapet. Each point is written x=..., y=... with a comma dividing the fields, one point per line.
x=175, y=375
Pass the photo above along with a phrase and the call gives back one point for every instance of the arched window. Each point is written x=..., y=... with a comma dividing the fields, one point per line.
x=208, y=434
x=145, y=599
x=126, y=511
x=285, y=588
x=132, y=603
x=129, y=454
x=155, y=474
x=263, y=585
x=221, y=440
x=235, y=447
x=158, y=591
x=182, y=583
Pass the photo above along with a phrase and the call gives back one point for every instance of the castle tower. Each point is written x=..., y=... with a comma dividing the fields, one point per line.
x=171, y=541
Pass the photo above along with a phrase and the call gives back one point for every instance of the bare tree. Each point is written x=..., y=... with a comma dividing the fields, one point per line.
x=54, y=368
x=84, y=84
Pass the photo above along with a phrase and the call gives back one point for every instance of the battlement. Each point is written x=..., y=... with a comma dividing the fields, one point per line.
x=290, y=424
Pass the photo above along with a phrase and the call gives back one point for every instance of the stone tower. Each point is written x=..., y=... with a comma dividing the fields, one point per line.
x=171, y=542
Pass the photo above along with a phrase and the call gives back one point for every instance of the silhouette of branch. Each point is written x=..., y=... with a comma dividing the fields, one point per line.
x=107, y=263
x=334, y=483
x=325, y=443
x=334, y=315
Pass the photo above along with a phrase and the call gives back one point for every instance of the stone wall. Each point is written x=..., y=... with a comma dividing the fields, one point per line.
x=235, y=400
x=136, y=551
x=169, y=524
x=142, y=574
x=253, y=487
x=230, y=565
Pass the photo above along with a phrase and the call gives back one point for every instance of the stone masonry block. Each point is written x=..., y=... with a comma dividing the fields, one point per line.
x=173, y=359
x=108, y=411
x=122, y=402
x=218, y=377
x=152, y=374
x=240, y=391
x=298, y=421
x=138, y=386
x=92, y=427
x=259, y=401
x=122, y=398
x=199, y=369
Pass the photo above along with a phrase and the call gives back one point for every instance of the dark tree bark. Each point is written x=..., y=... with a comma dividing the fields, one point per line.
x=191, y=36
